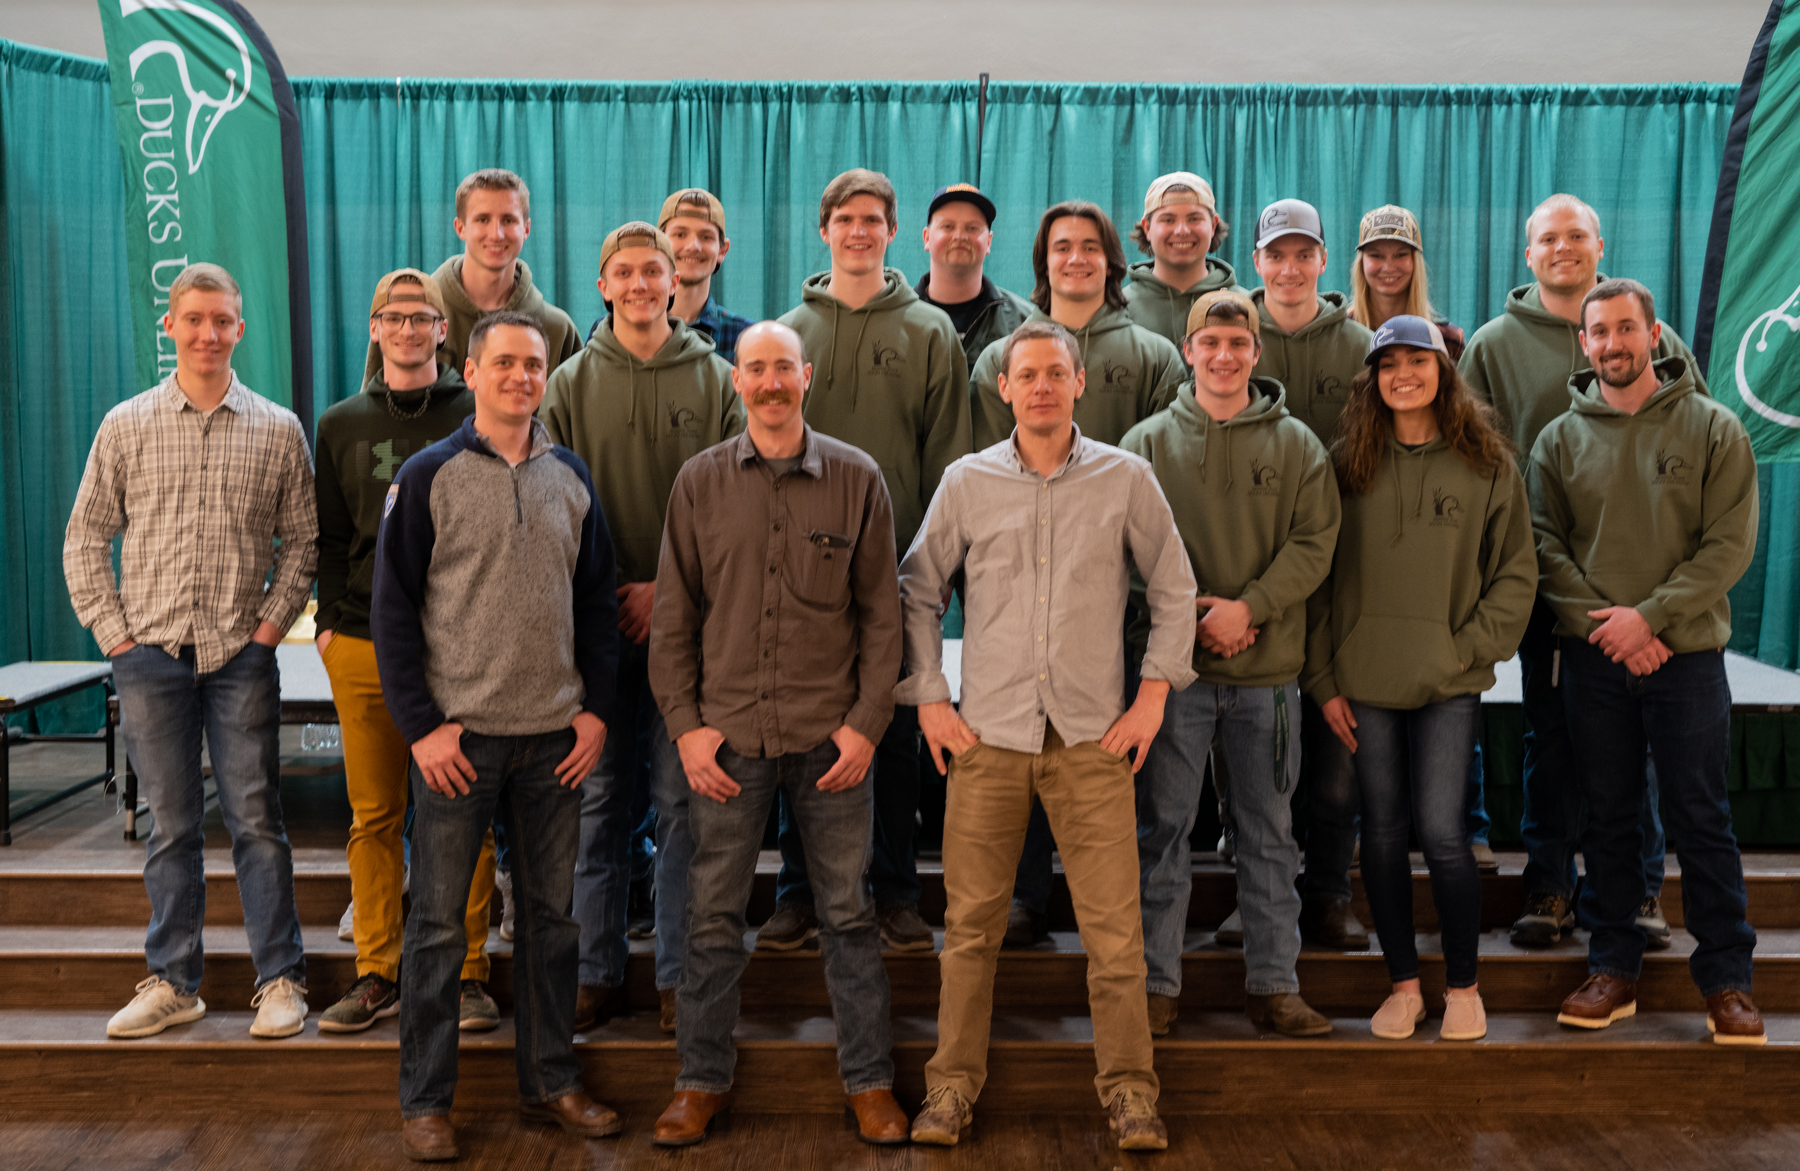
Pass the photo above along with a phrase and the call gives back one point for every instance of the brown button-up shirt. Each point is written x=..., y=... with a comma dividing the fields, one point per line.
x=777, y=616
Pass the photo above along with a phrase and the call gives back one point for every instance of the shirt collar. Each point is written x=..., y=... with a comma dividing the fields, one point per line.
x=1075, y=454
x=541, y=442
x=810, y=461
x=236, y=396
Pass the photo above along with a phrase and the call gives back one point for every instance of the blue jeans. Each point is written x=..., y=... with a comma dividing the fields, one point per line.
x=639, y=765
x=164, y=705
x=1326, y=819
x=1412, y=767
x=1263, y=775
x=836, y=828
x=515, y=784
x=894, y=869
x=1550, y=826
x=1682, y=712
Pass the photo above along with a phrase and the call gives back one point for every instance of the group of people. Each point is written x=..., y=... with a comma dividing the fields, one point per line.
x=575, y=598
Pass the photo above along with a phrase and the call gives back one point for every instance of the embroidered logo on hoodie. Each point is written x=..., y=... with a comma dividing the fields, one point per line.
x=1116, y=377
x=1672, y=468
x=1265, y=480
x=684, y=420
x=884, y=359
x=1330, y=388
x=1446, y=509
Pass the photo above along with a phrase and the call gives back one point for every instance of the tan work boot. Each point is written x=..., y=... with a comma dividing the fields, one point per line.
x=944, y=1118
x=1287, y=1014
x=1132, y=1116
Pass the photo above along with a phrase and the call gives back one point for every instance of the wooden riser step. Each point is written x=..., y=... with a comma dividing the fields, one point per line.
x=1215, y=1063
x=95, y=968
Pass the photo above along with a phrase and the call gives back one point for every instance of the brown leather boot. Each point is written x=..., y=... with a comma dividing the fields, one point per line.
x=1733, y=1020
x=879, y=1118
x=666, y=1001
x=1163, y=1011
x=1329, y=922
x=684, y=1123
x=576, y=1113
x=1599, y=1002
x=1287, y=1014
x=596, y=1004
x=430, y=1139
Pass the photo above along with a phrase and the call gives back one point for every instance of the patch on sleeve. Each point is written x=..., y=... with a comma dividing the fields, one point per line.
x=393, y=495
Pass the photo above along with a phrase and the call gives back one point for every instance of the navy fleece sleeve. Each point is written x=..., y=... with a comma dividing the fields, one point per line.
x=596, y=602
x=402, y=561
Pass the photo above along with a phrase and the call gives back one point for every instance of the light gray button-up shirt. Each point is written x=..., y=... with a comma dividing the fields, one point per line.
x=1048, y=562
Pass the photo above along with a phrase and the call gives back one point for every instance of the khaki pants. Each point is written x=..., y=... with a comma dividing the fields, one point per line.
x=375, y=771
x=1088, y=795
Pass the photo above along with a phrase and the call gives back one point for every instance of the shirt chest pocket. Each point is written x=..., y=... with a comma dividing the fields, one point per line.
x=818, y=562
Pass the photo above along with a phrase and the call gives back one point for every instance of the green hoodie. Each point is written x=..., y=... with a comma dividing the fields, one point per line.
x=1432, y=583
x=1256, y=503
x=891, y=379
x=1317, y=363
x=360, y=445
x=1163, y=308
x=1521, y=362
x=635, y=423
x=559, y=331
x=1655, y=510
x=1132, y=373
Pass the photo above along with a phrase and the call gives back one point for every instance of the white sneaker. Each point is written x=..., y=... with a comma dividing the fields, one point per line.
x=155, y=1007
x=503, y=884
x=347, y=925
x=280, y=1009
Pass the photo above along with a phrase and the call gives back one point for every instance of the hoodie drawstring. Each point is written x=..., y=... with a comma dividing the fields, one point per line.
x=1230, y=465
x=631, y=409
x=855, y=370
x=1399, y=504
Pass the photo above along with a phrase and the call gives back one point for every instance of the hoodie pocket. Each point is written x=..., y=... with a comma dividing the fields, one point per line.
x=1396, y=662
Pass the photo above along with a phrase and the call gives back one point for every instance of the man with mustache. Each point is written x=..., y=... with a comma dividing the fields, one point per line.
x=1521, y=362
x=1644, y=504
x=775, y=643
x=645, y=394
x=959, y=234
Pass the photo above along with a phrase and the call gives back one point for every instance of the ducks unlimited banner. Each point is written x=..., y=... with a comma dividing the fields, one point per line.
x=210, y=140
x=1748, y=332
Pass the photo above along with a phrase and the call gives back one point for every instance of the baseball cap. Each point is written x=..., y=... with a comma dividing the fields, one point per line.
x=385, y=295
x=1389, y=222
x=636, y=234
x=1288, y=217
x=697, y=202
x=1406, y=330
x=1160, y=196
x=1204, y=304
x=966, y=193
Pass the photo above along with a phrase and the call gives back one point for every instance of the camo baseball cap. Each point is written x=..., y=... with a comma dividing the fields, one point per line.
x=1389, y=222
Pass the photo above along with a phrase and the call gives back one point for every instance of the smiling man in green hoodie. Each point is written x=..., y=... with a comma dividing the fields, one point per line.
x=1314, y=349
x=1179, y=230
x=1644, y=506
x=493, y=220
x=889, y=377
x=1256, y=504
x=1521, y=363
x=645, y=394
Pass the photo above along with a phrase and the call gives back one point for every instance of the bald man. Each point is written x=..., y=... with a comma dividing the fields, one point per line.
x=778, y=681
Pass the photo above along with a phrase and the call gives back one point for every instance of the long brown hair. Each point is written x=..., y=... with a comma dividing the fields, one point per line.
x=1109, y=244
x=1467, y=424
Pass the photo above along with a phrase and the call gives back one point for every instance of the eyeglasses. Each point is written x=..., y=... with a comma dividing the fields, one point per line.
x=416, y=320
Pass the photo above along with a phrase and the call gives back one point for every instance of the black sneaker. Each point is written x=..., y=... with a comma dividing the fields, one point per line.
x=640, y=908
x=1545, y=919
x=368, y=1000
x=1656, y=928
x=787, y=929
x=477, y=1013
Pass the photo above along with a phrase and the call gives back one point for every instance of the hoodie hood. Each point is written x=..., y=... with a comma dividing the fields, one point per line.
x=1334, y=310
x=1317, y=362
x=1268, y=404
x=1674, y=379
x=1163, y=308
x=684, y=345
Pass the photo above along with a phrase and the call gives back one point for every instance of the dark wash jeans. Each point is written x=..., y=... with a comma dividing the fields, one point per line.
x=1325, y=813
x=1549, y=827
x=727, y=836
x=894, y=868
x=164, y=705
x=1683, y=712
x=1412, y=767
x=515, y=784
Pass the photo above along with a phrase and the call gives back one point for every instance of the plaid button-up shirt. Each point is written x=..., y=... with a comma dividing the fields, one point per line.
x=201, y=499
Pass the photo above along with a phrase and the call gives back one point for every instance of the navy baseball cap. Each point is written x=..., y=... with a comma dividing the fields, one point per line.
x=1406, y=330
x=965, y=192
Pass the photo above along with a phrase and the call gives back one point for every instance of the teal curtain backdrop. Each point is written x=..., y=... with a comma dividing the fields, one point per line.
x=383, y=157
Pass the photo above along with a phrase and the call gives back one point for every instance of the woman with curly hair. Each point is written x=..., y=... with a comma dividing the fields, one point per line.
x=1431, y=585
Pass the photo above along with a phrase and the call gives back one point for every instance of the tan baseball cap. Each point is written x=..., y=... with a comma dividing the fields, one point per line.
x=1160, y=196
x=1205, y=303
x=696, y=202
x=1389, y=222
x=386, y=295
x=636, y=234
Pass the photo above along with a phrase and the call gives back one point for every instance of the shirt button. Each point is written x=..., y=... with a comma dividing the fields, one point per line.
x=769, y=613
x=778, y=528
x=1043, y=560
x=1043, y=599
x=1043, y=522
x=1040, y=638
x=765, y=695
x=771, y=569
x=1041, y=676
x=766, y=653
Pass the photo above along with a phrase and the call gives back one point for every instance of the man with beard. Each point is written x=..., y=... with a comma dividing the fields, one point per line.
x=1644, y=504
x=1521, y=363
x=959, y=234
x=778, y=682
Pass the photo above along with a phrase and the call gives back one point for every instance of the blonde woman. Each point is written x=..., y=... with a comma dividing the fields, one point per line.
x=1389, y=276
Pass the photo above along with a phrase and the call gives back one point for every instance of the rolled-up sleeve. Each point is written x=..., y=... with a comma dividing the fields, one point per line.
x=936, y=554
